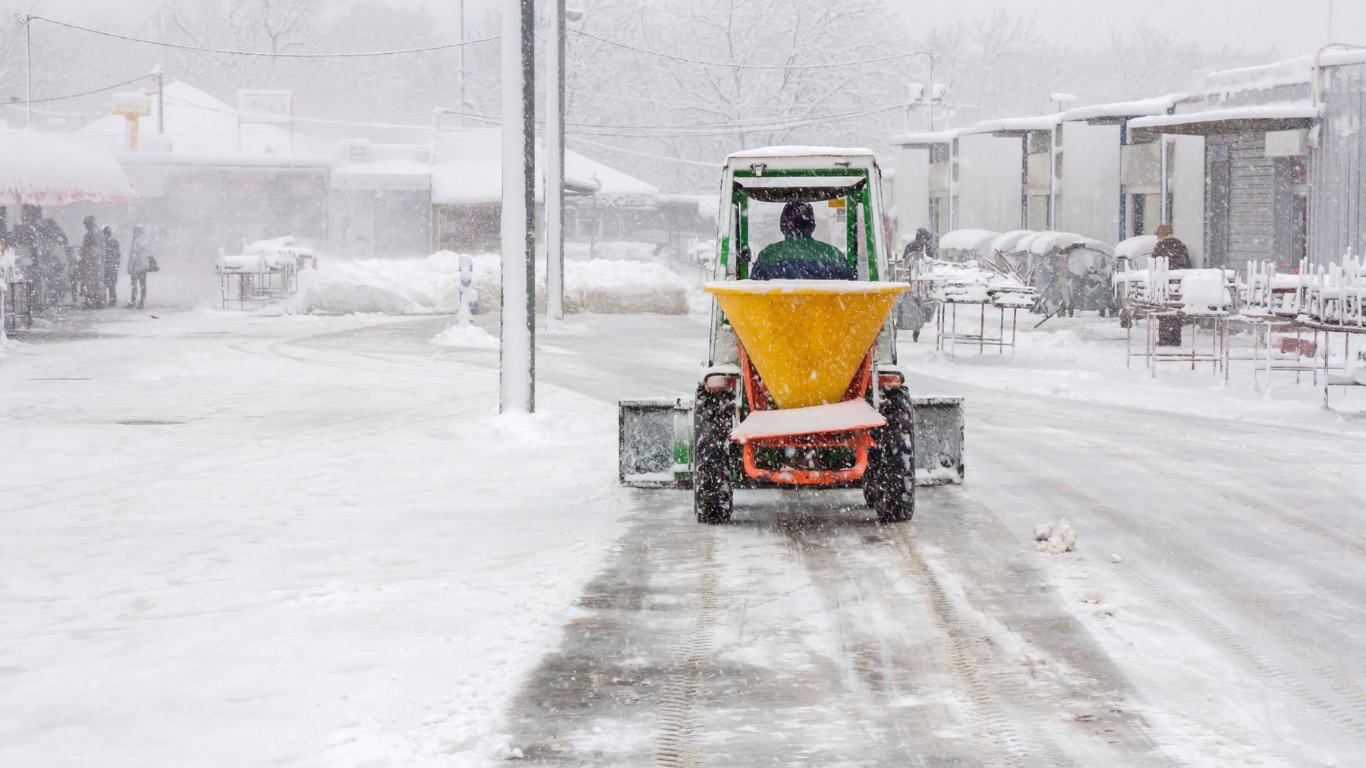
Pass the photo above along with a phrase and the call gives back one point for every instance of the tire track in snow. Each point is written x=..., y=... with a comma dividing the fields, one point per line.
x=986, y=691
x=1350, y=717
x=682, y=696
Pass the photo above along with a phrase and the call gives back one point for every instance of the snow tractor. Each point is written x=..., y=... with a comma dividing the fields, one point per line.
x=801, y=388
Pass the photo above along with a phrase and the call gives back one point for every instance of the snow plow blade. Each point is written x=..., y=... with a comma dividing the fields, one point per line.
x=654, y=443
x=938, y=440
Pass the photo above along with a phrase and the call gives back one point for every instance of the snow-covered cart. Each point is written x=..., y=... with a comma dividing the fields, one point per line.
x=801, y=388
x=265, y=272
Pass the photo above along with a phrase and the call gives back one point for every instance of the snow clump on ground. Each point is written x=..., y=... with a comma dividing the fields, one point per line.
x=466, y=337
x=1055, y=543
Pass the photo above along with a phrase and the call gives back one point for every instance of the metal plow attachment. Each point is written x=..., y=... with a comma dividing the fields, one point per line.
x=938, y=440
x=655, y=442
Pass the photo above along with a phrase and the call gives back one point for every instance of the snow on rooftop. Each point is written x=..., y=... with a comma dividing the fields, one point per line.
x=1160, y=105
x=920, y=139
x=200, y=125
x=467, y=168
x=968, y=240
x=800, y=151
x=1008, y=240
x=1296, y=71
x=1032, y=123
x=1136, y=247
x=48, y=169
x=1259, y=112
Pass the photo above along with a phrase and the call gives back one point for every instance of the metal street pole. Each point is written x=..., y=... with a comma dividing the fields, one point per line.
x=517, y=345
x=462, y=63
x=554, y=199
x=28, y=72
x=161, y=104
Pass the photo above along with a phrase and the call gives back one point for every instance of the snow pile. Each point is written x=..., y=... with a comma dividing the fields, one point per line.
x=431, y=285
x=1055, y=543
x=611, y=250
x=465, y=337
x=1203, y=292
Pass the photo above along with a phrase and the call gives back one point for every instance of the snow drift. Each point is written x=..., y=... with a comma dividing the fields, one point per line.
x=431, y=285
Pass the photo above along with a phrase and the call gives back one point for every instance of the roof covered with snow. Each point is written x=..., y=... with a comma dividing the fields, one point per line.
x=967, y=240
x=47, y=169
x=795, y=157
x=1265, y=117
x=1013, y=124
x=467, y=169
x=1125, y=109
x=202, y=127
x=924, y=139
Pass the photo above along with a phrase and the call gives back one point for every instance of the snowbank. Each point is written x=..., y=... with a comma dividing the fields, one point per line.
x=432, y=286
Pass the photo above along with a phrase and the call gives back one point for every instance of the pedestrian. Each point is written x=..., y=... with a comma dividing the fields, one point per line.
x=52, y=263
x=139, y=264
x=919, y=247
x=1175, y=251
x=112, y=257
x=92, y=265
x=1178, y=257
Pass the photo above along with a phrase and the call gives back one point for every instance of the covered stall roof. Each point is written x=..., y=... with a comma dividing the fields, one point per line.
x=922, y=140
x=383, y=167
x=47, y=169
x=1017, y=126
x=200, y=129
x=1120, y=111
x=467, y=170
x=1266, y=117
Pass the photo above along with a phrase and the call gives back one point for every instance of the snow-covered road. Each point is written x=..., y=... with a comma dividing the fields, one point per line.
x=307, y=569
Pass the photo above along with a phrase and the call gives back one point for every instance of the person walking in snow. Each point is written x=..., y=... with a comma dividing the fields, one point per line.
x=139, y=264
x=92, y=265
x=112, y=257
x=1178, y=257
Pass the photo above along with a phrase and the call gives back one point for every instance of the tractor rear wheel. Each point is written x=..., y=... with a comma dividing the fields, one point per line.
x=713, y=496
x=889, y=481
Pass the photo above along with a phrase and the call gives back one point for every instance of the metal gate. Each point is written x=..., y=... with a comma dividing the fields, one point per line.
x=1252, y=185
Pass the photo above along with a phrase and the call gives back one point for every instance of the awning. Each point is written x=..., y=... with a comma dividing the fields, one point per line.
x=51, y=169
x=1271, y=117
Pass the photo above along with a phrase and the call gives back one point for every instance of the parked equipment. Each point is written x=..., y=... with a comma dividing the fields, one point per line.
x=801, y=387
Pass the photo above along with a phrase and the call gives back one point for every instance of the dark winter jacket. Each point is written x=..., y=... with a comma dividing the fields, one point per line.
x=1175, y=252
x=112, y=257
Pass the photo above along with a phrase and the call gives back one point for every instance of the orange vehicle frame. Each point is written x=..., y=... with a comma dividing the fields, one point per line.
x=756, y=393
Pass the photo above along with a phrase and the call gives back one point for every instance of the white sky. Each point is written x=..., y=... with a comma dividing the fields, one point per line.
x=1295, y=27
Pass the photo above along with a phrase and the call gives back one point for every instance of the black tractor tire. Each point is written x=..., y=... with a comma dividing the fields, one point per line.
x=712, y=493
x=889, y=480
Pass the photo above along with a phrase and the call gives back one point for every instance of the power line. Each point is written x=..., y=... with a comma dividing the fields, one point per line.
x=732, y=65
x=268, y=54
x=17, y=100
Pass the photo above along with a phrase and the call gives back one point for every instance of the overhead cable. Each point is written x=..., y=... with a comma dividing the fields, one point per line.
x=16, y=99
x=268, y=54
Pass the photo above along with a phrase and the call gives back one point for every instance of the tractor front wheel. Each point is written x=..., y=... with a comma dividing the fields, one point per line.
x=713, y=496
x=889, y=481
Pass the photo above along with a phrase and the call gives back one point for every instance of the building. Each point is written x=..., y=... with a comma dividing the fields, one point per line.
x=212, y=181
x=1073, y=171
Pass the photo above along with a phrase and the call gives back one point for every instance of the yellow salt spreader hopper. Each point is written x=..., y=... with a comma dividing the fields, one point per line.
x=801, y=387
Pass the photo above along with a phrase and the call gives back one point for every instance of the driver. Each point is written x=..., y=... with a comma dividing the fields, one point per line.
x=799, y=256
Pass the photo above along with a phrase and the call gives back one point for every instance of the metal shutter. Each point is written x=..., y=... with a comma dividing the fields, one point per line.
x=1252, y=182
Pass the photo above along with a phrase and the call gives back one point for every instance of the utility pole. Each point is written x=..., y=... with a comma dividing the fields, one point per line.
x=28, y=72
x=462, y=63
x=160, y=75
x=554, y=188
x=517, y=344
